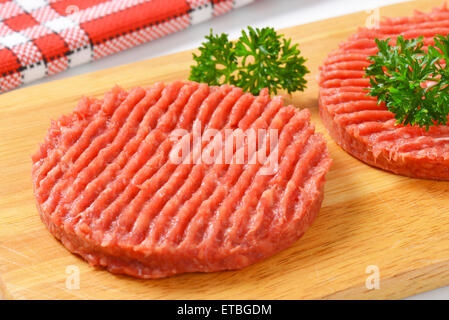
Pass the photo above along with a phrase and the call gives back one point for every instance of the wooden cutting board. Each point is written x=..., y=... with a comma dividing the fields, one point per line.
x=370, y=220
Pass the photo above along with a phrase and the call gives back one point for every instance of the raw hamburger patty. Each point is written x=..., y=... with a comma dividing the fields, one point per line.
x=106, y=186
x=362, y=127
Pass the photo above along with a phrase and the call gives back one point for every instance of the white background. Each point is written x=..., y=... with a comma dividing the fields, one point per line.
x=275, y=13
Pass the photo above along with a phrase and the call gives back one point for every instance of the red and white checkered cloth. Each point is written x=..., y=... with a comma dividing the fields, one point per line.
x=44, y=37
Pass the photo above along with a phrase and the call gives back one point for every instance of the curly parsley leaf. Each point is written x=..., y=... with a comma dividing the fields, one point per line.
x=259, y=59
x=217, y=61
x=413, y=83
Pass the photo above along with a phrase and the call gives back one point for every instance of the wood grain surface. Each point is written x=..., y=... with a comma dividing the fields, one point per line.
x=369, y=217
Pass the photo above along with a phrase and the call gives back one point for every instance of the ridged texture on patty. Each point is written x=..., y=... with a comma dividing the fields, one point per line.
x=105, y=186
x=367, y=130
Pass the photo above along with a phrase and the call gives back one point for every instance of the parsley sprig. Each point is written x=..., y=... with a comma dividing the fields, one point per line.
x=412, y=82
x=259, y=59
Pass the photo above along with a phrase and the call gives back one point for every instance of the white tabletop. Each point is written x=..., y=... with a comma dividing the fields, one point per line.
x=275, y=13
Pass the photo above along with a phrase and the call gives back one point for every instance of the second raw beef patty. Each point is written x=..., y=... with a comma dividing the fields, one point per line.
x=107, y=187
x=366, y=129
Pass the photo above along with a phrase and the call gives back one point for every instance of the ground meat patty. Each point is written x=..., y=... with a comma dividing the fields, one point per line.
x=107, y=187
x=362, y=127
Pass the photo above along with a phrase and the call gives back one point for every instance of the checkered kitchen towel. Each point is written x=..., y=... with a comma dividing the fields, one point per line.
x=44, y=37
